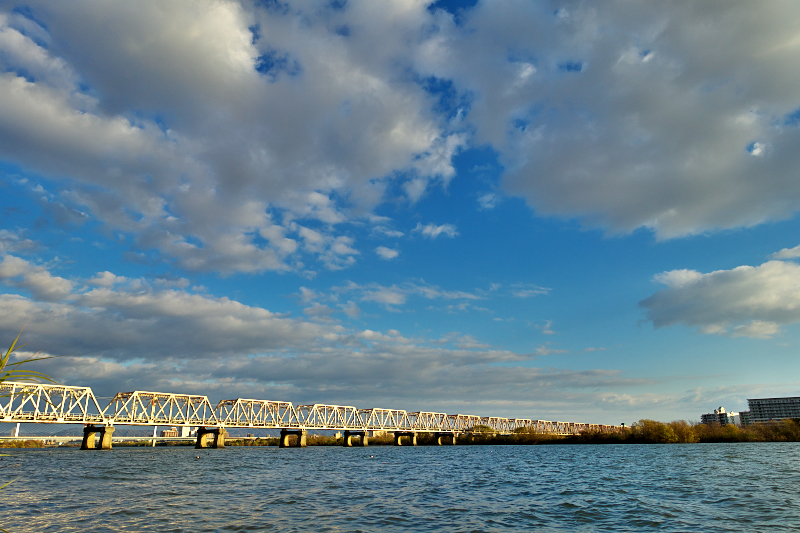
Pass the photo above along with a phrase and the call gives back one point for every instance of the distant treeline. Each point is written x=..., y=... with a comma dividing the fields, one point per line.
x=641, y=432
x=681, y=431
x=21, y=444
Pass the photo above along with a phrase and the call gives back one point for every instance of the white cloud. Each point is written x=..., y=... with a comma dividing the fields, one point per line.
x=36, y=279
x=488, y=201
x=622, y=115
x=745, y=301
x=546, y=328
x=13, y=242
x=106, y=279
x=632, y=115
x=757, y=329
x=318, y=311
x=546, y=350
x=335, y=252
x=383, y=230
x=133, y=335
x=388, y=296
x=351, y=309
x=432, y=230
x=787, y=253
x=386, y=253
x=528, y=290
x=203, y=116
x=307, y=295
x=396, y=295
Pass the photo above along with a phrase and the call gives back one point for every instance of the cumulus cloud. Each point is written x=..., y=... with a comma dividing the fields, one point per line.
x=13, y=242
x=787, y=253
x=388, y=296
x=432, y=230
x=106, y=279
x=743, y=302
x=163, y=113
x=386, y=253
x=20, y=273
x=131, y=334
x=679, y=118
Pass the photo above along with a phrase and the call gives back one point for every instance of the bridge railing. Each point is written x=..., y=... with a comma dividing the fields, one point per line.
x=56, y=404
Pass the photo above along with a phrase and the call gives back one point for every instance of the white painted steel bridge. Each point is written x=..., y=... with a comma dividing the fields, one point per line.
x=59, y=404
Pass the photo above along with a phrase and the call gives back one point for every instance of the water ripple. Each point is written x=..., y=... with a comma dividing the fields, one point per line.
x=693, y=487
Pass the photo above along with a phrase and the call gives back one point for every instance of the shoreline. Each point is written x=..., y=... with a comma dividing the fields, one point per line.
x=642, y=432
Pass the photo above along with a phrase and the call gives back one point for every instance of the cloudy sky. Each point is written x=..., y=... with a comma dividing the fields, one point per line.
x=559, y=210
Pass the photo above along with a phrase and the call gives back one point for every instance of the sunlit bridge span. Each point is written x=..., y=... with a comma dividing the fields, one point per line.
x=59, y=404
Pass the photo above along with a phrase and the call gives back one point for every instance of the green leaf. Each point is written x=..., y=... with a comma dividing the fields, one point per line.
x=13, y=372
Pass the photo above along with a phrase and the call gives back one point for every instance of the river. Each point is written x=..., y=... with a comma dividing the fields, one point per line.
x=678, y=487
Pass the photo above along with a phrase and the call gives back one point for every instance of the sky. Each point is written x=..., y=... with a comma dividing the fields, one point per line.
x=556, y=210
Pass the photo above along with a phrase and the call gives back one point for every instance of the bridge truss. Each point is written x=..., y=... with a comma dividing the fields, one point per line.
x=54, y=404
x=39, y=403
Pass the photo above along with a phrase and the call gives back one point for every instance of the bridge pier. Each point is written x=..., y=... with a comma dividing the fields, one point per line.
x=215, y=435
x=446, y=438
x=398, y=437
x=302, y=434
x=349, y=441
x=90, y=434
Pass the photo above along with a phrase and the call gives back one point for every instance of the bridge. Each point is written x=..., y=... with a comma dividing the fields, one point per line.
x=59, y=404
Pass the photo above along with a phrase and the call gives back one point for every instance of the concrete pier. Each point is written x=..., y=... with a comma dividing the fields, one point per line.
x=90, y=435
x=446, y=438
x=302, y=435
x=210, y=437
x=398, y=437
x=349, y=440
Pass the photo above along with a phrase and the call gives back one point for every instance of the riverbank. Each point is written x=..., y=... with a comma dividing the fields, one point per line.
x=21, y=444
x=642, y=432
x=683, y=432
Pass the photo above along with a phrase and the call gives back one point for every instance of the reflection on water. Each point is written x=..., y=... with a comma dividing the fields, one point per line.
x=693, y=487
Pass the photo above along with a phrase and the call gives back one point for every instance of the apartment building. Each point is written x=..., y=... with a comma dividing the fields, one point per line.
x=722, y=417
x=766, y=409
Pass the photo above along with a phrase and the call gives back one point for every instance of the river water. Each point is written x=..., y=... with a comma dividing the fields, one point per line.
x=678, y=487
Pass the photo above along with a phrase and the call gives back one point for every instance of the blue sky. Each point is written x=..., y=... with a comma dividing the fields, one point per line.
x=552, y=210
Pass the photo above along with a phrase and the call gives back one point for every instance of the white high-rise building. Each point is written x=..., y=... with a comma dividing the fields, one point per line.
x=722, y=417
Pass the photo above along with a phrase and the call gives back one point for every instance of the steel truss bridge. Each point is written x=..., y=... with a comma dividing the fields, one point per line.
x=59, y=404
